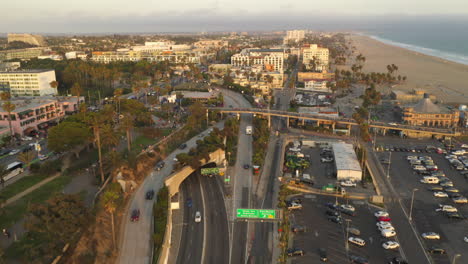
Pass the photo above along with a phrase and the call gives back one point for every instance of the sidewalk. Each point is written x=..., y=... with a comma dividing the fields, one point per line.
x=30, y=189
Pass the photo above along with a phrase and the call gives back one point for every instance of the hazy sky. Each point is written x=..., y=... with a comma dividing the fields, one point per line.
x=189, y=15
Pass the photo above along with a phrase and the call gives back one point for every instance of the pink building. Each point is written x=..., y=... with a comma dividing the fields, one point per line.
x=37, y=113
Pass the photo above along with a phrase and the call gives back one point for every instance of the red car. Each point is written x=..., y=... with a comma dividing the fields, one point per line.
x=135, y=215
x=384, y=219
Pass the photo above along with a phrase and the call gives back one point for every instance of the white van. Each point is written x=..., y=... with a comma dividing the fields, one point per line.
x=419, y=168
x=388, y=233
x=430, y=180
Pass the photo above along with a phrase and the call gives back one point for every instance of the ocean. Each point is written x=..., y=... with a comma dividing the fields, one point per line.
x=446, y=40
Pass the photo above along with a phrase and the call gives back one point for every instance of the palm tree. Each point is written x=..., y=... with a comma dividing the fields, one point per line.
x=118, y=93
x=96, y=122
x=26, y=157
x=76, y=90
x=109, y=201
x=9, y=107
x=127, y=125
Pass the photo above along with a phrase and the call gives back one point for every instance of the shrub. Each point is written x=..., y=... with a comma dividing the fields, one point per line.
x=35, y=167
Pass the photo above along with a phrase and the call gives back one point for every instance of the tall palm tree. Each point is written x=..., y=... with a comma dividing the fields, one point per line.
x=9, y=107
x=76, y=90
x=26, y=157
x=109, y=201
x=127, y=125
x=118, y=93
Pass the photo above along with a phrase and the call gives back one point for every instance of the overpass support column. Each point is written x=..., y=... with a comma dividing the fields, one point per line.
x=318, y=123
x=269, y=121
x=207, y=117
x=303, y=122
x=287, y=122
x=348, y=132
x=333, y=127
x=384, y=131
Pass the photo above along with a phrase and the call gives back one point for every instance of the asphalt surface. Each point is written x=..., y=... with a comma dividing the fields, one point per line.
x=425, y=217
x=191, y=243
x=321, y=233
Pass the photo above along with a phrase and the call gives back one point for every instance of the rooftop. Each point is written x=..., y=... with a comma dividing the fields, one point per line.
x=345, y=157
x=28, y=71
x=427, y=106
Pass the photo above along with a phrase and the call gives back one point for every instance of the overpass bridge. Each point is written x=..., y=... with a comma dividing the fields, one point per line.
x=414, y=131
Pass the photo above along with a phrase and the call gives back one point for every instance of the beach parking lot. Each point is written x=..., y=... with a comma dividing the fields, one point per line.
x=426, y=219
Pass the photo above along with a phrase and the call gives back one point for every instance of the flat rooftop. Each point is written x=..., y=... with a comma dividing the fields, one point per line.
x=345, y=157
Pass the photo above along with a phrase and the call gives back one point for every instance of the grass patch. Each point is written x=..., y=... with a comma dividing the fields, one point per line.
x=160, y=221
x=141, y=142
x=87, y=158
x=15, y=211
x=21, y=185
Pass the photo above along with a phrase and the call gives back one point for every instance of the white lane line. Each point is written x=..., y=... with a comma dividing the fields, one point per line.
x=204, y=222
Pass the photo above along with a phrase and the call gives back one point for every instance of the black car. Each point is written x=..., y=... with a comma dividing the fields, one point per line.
x=298, y=229
x=348, y=212
x=358, y=259
x=150, y=195
x=183, y=146
x=295, y=252
x=335, y=219
x=332, y=213
x=323, y=254
x=436, y=250
x=453, y=195
x=397, y=260
x=455, y=216
x=246, y=166
x=424, y=173
x=4, y=152
x=160, y=165
x=332, y=205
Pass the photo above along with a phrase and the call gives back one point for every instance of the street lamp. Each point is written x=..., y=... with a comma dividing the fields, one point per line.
x=347, y=233
x=455, y=258
x=411, y=206
x=389, y=164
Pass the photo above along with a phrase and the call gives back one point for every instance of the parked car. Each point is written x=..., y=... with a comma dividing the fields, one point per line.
x=14, y=152
x=385, y=225
x=451, y=189
x=298, y=229
x=357, y=241
x=397, y=260
x=353, y=231
x=436, y=250
x=348, y=207
x=326, y=160
x=183, y=146
x=436, y=189
x=387, y=233
x=446, y=208
x=294, y=206
x=440, y=194
x=332, y=205
x=455, y=216
x=381, y=214
x=332, y=212
x=295, y=252
x=384, y=219
x=358, y=259
x=460, y=200
x=135, y=216
x=43, y=157
x=348, y=212
x=246, y=166
x=150, y=195
x=390, y=245
x=348, y=184
x=160, y=165
x=198, y=217
x=430, y=235
x=323, y=254
x=26, y=138
x=335, y=219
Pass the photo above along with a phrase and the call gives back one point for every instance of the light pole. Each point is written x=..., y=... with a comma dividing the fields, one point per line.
x=455, y=258
x=347, y=233
x=411, y=206
x=389, y=164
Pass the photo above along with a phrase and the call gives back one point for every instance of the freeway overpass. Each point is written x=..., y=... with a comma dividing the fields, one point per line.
x=323, y=119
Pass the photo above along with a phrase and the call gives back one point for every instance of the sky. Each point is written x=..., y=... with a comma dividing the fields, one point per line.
x=80, y=16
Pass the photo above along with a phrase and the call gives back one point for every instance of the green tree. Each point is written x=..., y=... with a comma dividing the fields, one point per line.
x=26, y=157
x=68, y=136
x=109, y=202
x=77, y=90
x=127, y=125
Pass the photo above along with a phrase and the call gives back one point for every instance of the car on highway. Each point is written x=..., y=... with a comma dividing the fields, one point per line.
x=440, y=194
x=357, y=241
x=348, y=184
x=347, y=207
x=381, y=214
x=135, y=216
x=390, y=245
x=358, y=260
x=460, y=200
x=295, y=252
x=353, y=231
x=384, y=219
x=335, y=219
x=436, y=250
x=326, y=160
x=149, y=195
x=14, y=152
x=323, y=254
x=298, y=229
x=294, y=206
x=197, y=217
x=397, y=260
x=246, y=166
x=160, y=165
x=430, y=235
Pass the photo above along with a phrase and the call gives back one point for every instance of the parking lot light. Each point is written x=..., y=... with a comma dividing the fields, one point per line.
x=347, y=234
x=455, y=258
x=411, y=206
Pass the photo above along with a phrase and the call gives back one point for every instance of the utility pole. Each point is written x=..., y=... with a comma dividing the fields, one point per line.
x=347, y=234
x=411, y=206
x=389, y=164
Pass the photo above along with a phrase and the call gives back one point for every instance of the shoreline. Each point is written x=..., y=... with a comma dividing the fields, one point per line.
x=445, y=79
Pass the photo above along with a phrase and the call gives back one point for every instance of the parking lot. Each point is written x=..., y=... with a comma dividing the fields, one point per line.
x=322, y=233
x=404, y=180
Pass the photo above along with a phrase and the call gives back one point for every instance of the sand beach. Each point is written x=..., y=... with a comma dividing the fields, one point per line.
x=445, y=79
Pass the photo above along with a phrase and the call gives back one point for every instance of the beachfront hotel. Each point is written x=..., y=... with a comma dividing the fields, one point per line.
x=269, y=59
x=28, y=82
x=311, y=52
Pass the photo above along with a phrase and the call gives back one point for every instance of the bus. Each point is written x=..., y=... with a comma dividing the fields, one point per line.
x=13, y=169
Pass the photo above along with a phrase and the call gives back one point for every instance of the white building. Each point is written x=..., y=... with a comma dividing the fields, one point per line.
x=317, y=85
x=320, y=55
x=294, y=36
x=347, y=164
x=29, y=82
x=269, y=59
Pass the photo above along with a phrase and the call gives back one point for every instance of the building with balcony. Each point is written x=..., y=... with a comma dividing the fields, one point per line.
x=426, y=113
x=29, y=82
x=269, y=59
x=152, y=56
x=314, y=55
x=38, y=113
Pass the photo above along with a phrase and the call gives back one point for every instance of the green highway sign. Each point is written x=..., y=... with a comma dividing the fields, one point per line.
x=256, y=213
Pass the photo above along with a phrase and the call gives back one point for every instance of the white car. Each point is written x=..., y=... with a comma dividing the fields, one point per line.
x=14, y=152
x=460, y=200
x=43, y=157
x=357, y=241
x=430, y=235
x=327, y=160
x=348, y=184
x=466, y=239
x=386, y=227
x=464, y=146
x=25, y=138
x=446, y=208
x=393, y=124
x=411, y=158
x=348, y=207
x=390, y=245
x=197, y=217
x=440, y=194
x=388, y=233
x=381, y=214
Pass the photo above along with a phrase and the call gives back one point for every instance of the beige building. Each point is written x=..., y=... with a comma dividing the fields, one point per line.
x=156, y=56
x=312, y=53
x=211, y=44
x=426, y=113
x=36, y=40
x=29, y=82
x=302, y=76
x=294, y=36
x=269, y=59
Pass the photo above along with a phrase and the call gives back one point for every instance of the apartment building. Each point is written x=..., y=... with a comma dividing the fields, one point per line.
x=317, y=85
x=22, y=54
x=294, y=36
x=28, y=82
x=155, y=56
x=269, y=59
x=312, y=53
